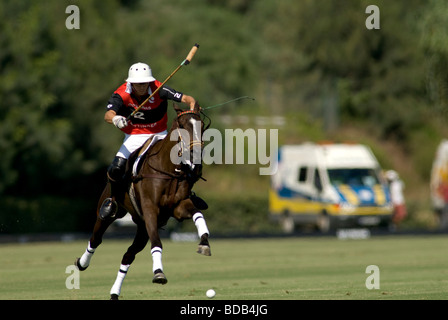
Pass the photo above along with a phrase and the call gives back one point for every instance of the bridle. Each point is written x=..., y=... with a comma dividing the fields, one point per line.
x=188, y=147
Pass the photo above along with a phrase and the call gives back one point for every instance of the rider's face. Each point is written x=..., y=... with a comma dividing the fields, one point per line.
x=140, y=89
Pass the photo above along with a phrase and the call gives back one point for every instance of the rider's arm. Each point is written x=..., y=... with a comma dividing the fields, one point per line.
x=109, y=115
x=113, y=105
x=169, y=93
x=189, y=100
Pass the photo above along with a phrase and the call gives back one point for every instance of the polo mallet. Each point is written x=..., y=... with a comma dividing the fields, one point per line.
x=221, y=104
x=185, y=62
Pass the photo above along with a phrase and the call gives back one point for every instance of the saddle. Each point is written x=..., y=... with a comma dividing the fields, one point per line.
x=136, y=156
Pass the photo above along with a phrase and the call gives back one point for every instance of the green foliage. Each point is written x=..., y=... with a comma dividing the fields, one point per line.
x=46, y=214
x=435, y=45
x=313, y=62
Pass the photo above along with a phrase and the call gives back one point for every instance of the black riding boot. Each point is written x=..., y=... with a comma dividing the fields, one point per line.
x=109, y=207
x=115, y=174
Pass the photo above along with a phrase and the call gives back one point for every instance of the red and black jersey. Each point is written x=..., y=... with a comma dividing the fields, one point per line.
x=152, y=116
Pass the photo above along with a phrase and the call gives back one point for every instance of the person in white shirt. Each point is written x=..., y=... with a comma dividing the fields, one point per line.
x=396, y=186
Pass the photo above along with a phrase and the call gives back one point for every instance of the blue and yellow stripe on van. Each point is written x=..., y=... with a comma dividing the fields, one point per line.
x=353, y=201
x=363, y=196
x=348, y=194
x=295, y=203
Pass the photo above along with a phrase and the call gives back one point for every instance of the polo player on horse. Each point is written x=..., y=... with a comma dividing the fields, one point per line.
x=149, y=121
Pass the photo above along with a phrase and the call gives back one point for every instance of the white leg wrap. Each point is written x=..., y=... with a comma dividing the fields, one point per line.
x=156, y=253
x=84, y=261
x=200, y=224
x=116, y=288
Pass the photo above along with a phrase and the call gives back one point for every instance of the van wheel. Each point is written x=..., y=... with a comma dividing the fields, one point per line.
x=287, y=223
x=324, y=223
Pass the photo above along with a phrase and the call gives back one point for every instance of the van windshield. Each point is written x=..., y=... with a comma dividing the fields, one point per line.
x=359, y=177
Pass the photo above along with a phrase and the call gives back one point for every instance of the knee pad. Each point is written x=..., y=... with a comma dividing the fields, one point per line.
x=117, y=169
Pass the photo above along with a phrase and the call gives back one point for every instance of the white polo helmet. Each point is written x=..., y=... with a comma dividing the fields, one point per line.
x=140, y=73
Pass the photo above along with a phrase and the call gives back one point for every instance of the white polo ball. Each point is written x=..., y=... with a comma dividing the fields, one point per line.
x=210, y=293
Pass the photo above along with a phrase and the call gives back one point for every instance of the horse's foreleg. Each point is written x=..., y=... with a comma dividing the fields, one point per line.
x=95, y=240
x=203, y=233
x=140, y=241
x=187, y=210
x=97, y=235
x=201, y=225
x=83, y=262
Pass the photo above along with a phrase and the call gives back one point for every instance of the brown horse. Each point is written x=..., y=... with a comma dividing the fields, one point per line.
x=160, y=187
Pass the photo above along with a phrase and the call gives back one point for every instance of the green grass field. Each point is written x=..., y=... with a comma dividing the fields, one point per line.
x=297, y=268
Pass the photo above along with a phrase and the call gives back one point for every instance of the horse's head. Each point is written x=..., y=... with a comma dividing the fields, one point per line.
x=188, y=127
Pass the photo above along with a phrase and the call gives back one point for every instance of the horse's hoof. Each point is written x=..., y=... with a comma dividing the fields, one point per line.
x=79, y=265
x=205, y=250
x=159, y=277
x=114, y=296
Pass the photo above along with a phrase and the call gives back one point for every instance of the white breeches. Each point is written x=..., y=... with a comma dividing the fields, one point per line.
x=132, y=142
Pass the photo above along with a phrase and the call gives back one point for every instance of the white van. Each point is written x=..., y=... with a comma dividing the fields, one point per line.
x=329, y=186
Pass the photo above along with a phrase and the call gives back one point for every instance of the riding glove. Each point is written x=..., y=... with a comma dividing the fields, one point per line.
x=120, y=122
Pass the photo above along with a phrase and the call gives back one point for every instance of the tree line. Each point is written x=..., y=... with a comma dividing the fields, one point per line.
x=296, y=57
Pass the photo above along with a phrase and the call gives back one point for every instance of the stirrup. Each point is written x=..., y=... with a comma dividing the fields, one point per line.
x=108, y=209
